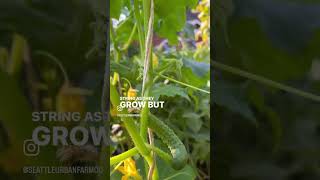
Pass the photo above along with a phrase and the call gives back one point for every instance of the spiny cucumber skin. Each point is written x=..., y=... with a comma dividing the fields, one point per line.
x=177, y=148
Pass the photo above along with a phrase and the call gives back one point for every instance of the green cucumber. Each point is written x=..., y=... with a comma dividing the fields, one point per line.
x=166, y=134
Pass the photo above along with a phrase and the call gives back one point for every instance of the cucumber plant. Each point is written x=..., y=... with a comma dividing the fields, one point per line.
x=139, y=23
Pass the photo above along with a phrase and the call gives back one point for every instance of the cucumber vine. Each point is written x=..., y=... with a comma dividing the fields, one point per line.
x=141, y=15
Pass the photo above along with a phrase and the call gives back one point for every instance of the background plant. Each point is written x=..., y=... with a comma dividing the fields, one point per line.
x=266, y=120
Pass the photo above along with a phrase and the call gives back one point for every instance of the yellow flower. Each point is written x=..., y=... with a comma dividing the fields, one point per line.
x=132, y=92
x=203, y=33
x=129, y=170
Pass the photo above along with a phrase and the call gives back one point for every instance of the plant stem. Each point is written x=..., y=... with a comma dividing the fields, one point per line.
x=129, y=124
x=265, y=81
x=146, y=83
x=56, y=60
x=117, y=54
x=123, y=156
x=163, y=155
x=116, y=167
x=184, y=84
x=152, y=167
x=148, y=52
x=127, y=44
x=148, y=9
x=127, y=81
x=154, y=172
x=144, y=120
x=136, y=138
x=139, y=26
x=134, y=151
x=146, y=13
x=119, y=26
x=17, y=52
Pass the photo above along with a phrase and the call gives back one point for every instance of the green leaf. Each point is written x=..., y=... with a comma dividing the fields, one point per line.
x=14, y=114
x=170, y=19
x=170, y=65
x=193, y=121
x=259, y=55
x=203, y=135
x=228, y=95
x=115, y=8
x=257, y=98
x=192, y=3
x=123, y=32
x=167, y=173
x=201, y=150
x=116, y=175
x=195, y=73
x=169, y=91
x=199, y=68
x=190, y=78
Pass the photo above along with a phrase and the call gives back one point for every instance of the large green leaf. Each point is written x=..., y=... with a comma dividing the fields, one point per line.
x=170, y=19
x=189, y=77
x=169, y=91
x=228, y=95
x=200, y=69
x=15, y=115
x=193, y=121
x=166, y=172
x=115, y=8
x=195, y=73
x=258, y=55
x=258, y=100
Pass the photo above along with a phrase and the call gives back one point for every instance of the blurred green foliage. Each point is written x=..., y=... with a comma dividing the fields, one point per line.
x=261, y=132
x=63, y=29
